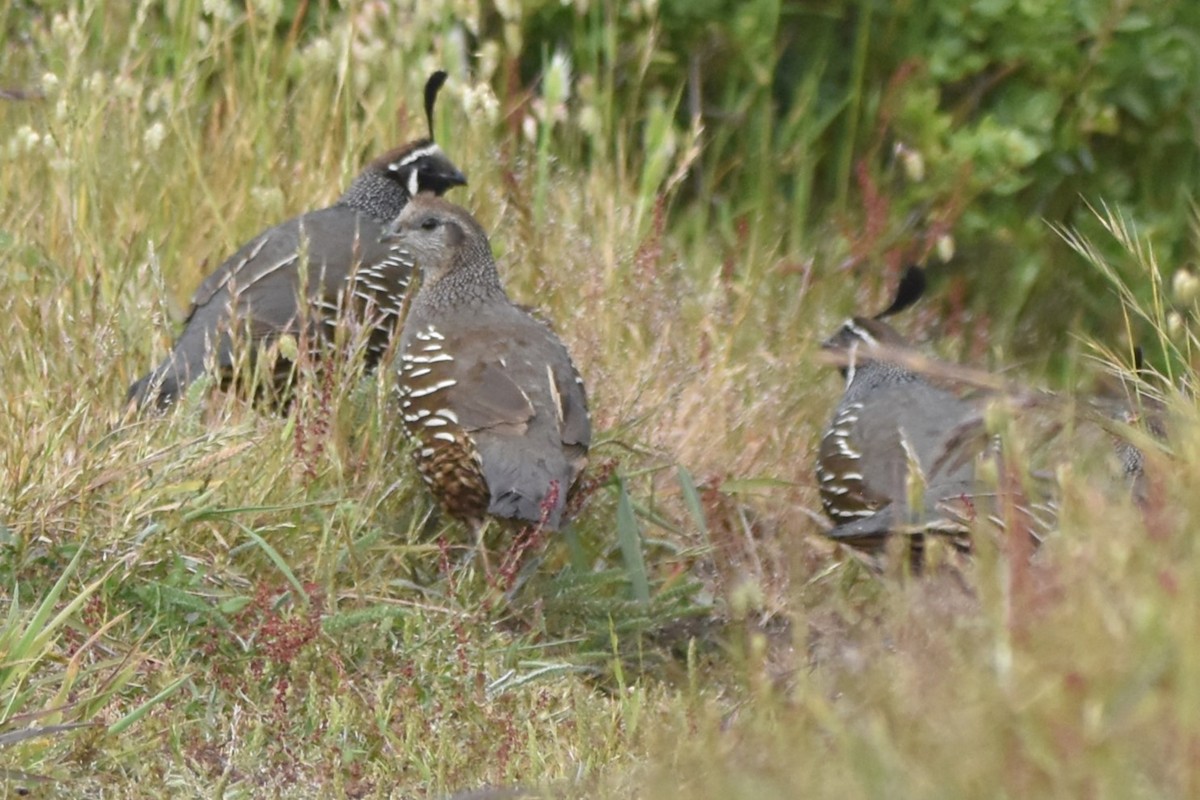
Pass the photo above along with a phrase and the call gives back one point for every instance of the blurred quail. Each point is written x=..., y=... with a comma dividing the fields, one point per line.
x=489, y=394
x=334, y=256
x=890, y=422
x=500, y=793
x=1141, y=405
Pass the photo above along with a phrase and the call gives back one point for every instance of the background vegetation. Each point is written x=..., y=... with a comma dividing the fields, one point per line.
x=220, y=602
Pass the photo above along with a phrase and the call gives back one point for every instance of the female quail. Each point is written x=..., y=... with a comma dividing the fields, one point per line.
x=489, y=394
x=334, y=256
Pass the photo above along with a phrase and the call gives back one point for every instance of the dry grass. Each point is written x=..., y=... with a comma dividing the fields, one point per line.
x=231, y=603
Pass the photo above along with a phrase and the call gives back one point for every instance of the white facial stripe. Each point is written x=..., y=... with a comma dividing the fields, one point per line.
x=861, y=333
x=414, y=156
x=851, y=355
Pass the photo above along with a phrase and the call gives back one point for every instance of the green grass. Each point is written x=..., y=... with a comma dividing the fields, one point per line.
x=226, y=603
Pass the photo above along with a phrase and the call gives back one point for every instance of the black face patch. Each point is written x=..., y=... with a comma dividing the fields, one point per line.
x=424, y=168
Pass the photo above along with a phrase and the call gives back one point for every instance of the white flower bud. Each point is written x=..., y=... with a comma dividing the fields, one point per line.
x=24, y=140
x=218, y=9
x=479, y=100
x=153, y=137
x=320, y=52
x=912, y=161
x=1174, y=325
x=945, y=247
x=1185, y=286
x=271, y=9
x=589, y=120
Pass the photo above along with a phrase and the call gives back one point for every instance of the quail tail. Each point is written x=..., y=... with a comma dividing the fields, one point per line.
x=160, y=387
x=528, y=494
x=166, y=382
x=513, y=504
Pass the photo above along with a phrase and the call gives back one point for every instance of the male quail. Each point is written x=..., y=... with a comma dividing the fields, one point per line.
x=333, y=256
x=488, y=393
x=889, y=423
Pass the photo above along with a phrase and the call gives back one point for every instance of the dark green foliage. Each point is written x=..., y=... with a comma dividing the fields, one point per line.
x=896, y=123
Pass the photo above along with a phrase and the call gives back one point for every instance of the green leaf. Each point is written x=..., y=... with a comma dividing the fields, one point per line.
x=753, y=485
x=630, y=540
x=277, y=559
x=141, y=711
x=691, y=498
x=234, y=604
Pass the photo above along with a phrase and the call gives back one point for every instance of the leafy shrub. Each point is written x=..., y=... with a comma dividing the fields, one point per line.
x=980, y=120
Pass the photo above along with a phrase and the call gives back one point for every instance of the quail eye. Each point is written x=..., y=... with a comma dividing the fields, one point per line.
x=430, y=224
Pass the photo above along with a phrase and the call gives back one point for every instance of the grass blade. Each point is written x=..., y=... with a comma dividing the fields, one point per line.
x=277, y=559
x=13, y=737
x=691, y=499
x=630, y=540
x=141, y=711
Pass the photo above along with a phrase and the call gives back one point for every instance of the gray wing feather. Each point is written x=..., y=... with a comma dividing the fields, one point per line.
x=257, y=291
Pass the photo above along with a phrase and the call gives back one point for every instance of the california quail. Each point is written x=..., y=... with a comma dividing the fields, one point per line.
x=891, y=421
x=1141, y=405
x=488, y=393
x=257, y=290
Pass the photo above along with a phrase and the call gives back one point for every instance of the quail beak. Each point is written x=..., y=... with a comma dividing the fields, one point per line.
x=840, y=355
x=393, y=235
x=447, y=177
x=834, y=343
